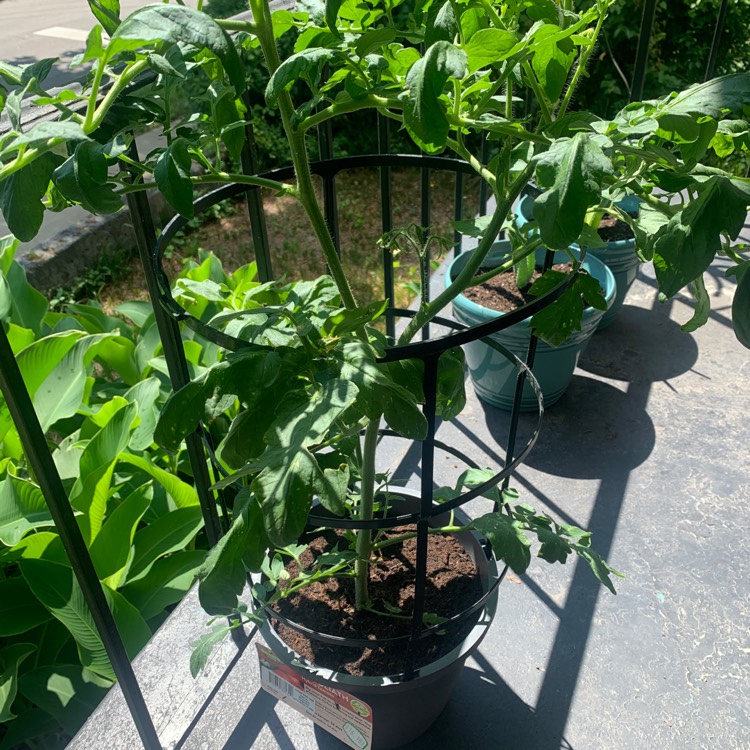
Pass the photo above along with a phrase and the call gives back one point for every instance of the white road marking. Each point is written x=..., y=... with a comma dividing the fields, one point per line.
x=63, y=32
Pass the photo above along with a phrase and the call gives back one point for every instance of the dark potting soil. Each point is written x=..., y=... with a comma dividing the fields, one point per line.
x=501, y=292
x=612, y=229
x=453, y=585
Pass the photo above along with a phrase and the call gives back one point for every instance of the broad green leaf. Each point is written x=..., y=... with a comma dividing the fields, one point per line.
x=107, y=12
x=174, y=24
x=424, y=113
x=451, y=390
x=38, y=136
x=10, y=659
x=83, y=178
x=488, y=47
x=573, y=171
x=91, y=490
x=111, y=550
x=552, y=60
x=508, y=540
x=138, y=311
x=28, y=306
x=165, y=584
x=307, y=65
x=332, y=13
x=182, y=493
x=170, y=533
x=331, y=487
x=374, y=39
x=42, y=544
x=441, y=23
x=223, y=575
x=172, y=175
x=66, y=691
x=22, y=507
x=118, y=353
x=19, y=610
x=730, y=92
x=31, y=724
x=692, y=238
x=145, y=394
x=741, y=307
x=21, y=196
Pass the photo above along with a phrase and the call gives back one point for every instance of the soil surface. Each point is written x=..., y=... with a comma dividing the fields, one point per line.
x=453, y=585
x=612, y=229
x=501, y=292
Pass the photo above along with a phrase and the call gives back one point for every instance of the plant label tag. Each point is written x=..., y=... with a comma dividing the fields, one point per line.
x=336, y=711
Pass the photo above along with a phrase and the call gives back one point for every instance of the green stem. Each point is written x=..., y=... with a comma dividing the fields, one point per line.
x=220, y=177
x=94, y=119
x=466, y=276
x=340, y=108
x=233, y=25
x=479, y=168
x=305, y=189
x=366, y=511
x=451, y=529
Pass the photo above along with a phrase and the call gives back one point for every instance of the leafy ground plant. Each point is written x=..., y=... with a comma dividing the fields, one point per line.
x=288, y=408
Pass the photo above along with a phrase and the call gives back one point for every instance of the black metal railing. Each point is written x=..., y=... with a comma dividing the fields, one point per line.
x=33, y=439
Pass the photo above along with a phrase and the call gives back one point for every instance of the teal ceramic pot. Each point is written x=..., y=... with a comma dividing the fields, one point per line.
x=618, y=256
x=493, y=376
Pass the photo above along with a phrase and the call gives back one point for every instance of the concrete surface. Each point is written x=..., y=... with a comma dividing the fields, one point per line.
x=648, y=449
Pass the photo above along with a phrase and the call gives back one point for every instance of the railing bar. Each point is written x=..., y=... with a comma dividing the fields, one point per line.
x=174, y=353
x=716, y=41
x=386, y=215
x=641, y=55
x=254, y=201
x=35, y=447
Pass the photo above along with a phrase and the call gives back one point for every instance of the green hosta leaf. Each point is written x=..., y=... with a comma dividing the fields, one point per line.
x=203, y=647
x=488, y=47
x=19, y=610
x=451, y=390
x=145, y=394
x=182, y=493
x=21, y=196
x=307, y=65
x=68, y=692
x=741, y=306
x=22, y=507
x=91, y=491
x=174, y=24
x=165, y=584
x=170, y=533
x=243, y=547
x=107, y=12
x=685, y=248
x=424, y=113
x=10, y=659
x=111, y=550
x=557, y=322
x=573, y=170
x=508, y=540
x=172, y=175
x=83, y=178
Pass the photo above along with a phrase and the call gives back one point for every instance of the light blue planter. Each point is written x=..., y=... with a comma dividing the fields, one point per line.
x=619, y=256
x=494, y=377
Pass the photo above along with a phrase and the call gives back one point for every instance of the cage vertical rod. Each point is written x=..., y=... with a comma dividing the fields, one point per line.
x=641, y=55
x=174, y=353
x=34, y=444
x=386, y=215
x=716, y=41
x=425, y=221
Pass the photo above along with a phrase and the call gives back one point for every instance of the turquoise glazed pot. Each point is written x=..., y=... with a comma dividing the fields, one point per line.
x=618, y=256
x=494, y=377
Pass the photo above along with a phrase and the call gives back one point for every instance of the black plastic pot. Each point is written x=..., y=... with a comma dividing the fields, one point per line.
x=403, y=709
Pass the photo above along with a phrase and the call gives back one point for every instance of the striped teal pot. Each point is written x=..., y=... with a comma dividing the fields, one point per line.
x=494, y=376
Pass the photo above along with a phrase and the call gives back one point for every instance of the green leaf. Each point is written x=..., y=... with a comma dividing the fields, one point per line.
x=332, y=14
x=573, y=170
x=451, y=390
x=145, y=394
x=10, y=659
x=21, y=196
x=374, y=39
x=107, y=12
x=702, y=306
x=174, y=24
x=685, y=248
x=172, y=175
x=203, y=647
x=22, y=507
x=598, y=565
x=166, y=582
x=730, y=92
x=508, y=540
x=170, y=533
x=307, y=65
x=68, y=692
x=41, y=133
x=441, y=24
x=488, y=47
x=19, y=610
x=32, y=723
x=111, y=550
x=424, y=112
x=223, y=575
x=552, y=60
x=83, y=178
